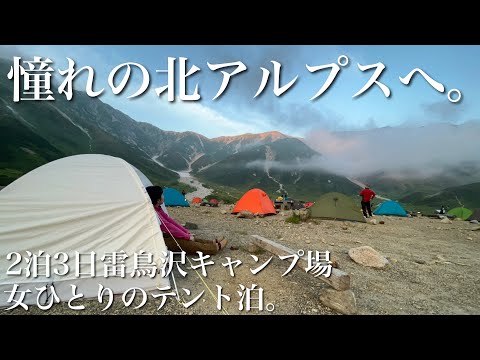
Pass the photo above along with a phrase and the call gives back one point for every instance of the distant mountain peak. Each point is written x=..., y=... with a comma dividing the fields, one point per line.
x=269, y=135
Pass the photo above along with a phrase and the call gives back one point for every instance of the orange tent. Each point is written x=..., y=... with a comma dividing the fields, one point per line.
x=197, y=200
x=255, y=201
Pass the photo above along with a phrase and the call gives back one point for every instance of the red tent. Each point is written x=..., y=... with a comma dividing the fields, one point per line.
x=308, y=204
x=213, y=202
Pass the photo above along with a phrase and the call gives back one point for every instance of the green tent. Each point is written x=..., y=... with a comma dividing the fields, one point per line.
x=336, y=206
x=460, y=212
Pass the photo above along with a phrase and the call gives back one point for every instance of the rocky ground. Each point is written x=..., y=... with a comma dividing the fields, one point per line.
x=433, y=267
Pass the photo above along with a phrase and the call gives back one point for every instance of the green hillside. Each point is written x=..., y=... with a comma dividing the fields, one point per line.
x=466, y=195
x=21, y=150
x=36, y=132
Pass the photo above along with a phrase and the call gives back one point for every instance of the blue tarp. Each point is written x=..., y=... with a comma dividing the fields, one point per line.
x=390, y=207
x=173, y=197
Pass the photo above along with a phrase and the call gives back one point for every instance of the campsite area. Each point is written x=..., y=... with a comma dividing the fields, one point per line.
x=433, y=267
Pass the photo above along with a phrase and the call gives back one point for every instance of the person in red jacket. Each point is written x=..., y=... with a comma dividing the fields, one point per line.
x=367, y=195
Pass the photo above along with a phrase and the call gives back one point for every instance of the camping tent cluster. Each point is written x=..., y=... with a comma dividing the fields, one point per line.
x=333, y=205
x=205, y=202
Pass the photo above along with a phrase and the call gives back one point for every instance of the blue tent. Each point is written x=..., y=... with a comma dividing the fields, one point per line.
x=174, y=198
x=390, y=207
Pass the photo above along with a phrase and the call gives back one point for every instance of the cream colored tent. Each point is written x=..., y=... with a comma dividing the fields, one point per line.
x=79, y=204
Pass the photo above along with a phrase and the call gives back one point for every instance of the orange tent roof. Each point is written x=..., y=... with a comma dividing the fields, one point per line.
x=256, y=201
x=197, y=200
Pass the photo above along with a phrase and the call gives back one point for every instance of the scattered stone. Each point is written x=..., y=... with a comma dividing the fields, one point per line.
x=307, y=241
x=476, y=228
x=367, y=256
x=381, y=222
x=224, y=212
x=245, y=214
x=440, y=257
x=344, y=228
x=446, y=221
x=474, y=222
x=333, y=244
x=252, y=248
x=233, y=247
x=469, y=238
x=191, y=226
x=358, y=242
x=304, y=215
x=342, y=301
x=373, y=221
x=420, y=261
x=260, y=215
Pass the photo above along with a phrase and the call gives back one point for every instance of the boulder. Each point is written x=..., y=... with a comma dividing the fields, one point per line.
x=191, y=226
x=367, y=256
x=342, y=301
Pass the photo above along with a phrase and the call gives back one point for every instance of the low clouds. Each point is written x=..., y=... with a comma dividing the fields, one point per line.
x=401, y=153
x=424, y=151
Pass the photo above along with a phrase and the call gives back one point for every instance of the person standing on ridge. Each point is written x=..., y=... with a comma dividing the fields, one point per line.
x=367, y=195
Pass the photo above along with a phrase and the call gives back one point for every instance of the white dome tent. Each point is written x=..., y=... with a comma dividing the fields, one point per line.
x=81, y=203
